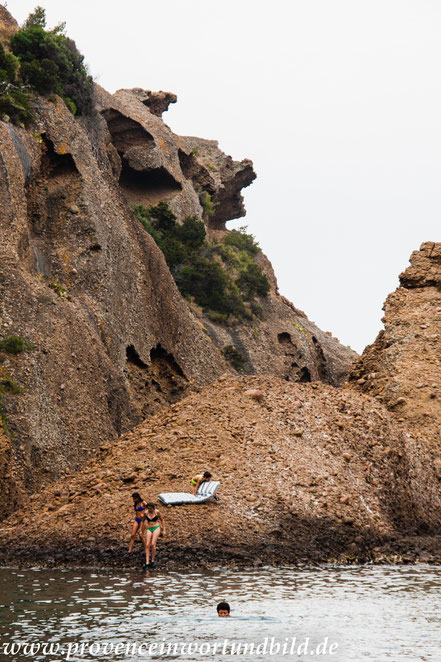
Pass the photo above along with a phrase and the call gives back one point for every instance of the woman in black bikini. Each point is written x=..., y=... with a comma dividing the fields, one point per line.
x=155, y=528
x=139, y=524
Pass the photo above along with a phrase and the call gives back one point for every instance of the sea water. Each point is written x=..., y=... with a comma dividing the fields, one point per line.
x=345, y=614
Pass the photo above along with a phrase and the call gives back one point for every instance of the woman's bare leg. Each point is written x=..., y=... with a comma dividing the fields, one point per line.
x=147, y=546
x=142, y=535
x=155, y=536
x=135, y=528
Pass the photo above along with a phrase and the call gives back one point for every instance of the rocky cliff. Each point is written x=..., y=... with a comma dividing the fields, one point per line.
x=402, y=368
x=308, y=472
x=106, y=338
x=8, y=25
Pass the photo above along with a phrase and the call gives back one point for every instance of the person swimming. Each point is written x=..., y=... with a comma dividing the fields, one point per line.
x=138, y=525
x=223, y=609
x=155, y=527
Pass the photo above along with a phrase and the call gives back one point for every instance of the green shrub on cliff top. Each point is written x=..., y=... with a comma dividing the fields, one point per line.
x=8, y=65
x=220, y=278
x=14, y=98
x=242, y=241
x=45, y=61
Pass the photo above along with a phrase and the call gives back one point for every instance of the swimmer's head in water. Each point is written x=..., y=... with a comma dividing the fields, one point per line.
x=223, y=609
x=207, y=474
x=151, y=506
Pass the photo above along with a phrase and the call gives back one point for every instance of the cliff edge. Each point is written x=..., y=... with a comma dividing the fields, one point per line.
x=95, y=336
x=402, y=368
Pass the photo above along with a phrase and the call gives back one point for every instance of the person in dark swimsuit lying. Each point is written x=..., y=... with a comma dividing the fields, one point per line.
x=155, y=527
x=139, y=524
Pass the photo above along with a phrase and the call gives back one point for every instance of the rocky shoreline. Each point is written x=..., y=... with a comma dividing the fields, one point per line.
x=328, y=483
x=404, y=551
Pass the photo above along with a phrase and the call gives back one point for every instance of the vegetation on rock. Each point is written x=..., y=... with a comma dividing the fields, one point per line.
x=13, y=344
x=206, y=200
x=59, y=289
x=10, y=345
x=220, y=277
x=15, y=103
x=7, y=385
x=42, y=61
x=234, y=357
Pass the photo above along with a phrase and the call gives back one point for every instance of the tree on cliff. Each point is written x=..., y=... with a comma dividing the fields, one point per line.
x=50, y=62
x=221, y=277
x=14, y=100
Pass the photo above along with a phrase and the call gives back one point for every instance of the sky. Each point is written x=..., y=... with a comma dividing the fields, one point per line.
x=338, y=104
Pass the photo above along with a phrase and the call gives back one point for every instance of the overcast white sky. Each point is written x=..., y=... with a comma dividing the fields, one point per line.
x=337, y=102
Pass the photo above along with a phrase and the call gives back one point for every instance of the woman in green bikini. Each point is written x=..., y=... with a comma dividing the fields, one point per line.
x=155, y=526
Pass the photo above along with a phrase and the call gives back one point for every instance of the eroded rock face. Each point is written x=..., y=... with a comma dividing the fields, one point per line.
x=402, y=368
x=110, y=339
x=216, y=173
x=307, y=472
x=156, y=102
x=285, y=343
x=8, y=25
x=158, y=165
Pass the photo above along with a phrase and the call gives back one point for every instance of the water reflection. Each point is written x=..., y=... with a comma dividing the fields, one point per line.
x=373, y=613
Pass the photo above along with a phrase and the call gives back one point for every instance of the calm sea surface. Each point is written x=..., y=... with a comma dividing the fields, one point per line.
x=332, y=613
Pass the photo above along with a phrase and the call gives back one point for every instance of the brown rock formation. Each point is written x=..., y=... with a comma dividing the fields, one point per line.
x=158, y=165
x=79, y=279
x=156, y=102
x=329, y=477
x=8, y=25
x=212, y=171
x=402, y=368
x=110, y=339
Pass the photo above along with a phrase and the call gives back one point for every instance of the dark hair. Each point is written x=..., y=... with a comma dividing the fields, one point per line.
x=207, y=474
x=223, y=605
x=137, y=498
x=151, y=505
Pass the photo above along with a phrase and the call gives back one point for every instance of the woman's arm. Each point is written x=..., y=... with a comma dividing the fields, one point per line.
x=197, y=486
x=161, y=520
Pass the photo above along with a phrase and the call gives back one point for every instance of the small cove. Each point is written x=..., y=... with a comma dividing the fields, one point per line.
x=372, y=613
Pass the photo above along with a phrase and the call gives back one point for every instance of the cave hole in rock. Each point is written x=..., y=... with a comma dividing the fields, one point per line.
x=55, y=188
x=54, y=165
x=156, y=384
x=147, y=188
x=284, y=338
x=134, y=358
x=160, y=355
x=305, y=375
x=188, y=164
x=196, y=172
x=126, y=132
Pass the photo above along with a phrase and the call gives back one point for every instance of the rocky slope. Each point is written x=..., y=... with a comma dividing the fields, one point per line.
x=402, y=368
x=329, y=478
x=109, y=339
x=8, y=24
x=156, y=165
